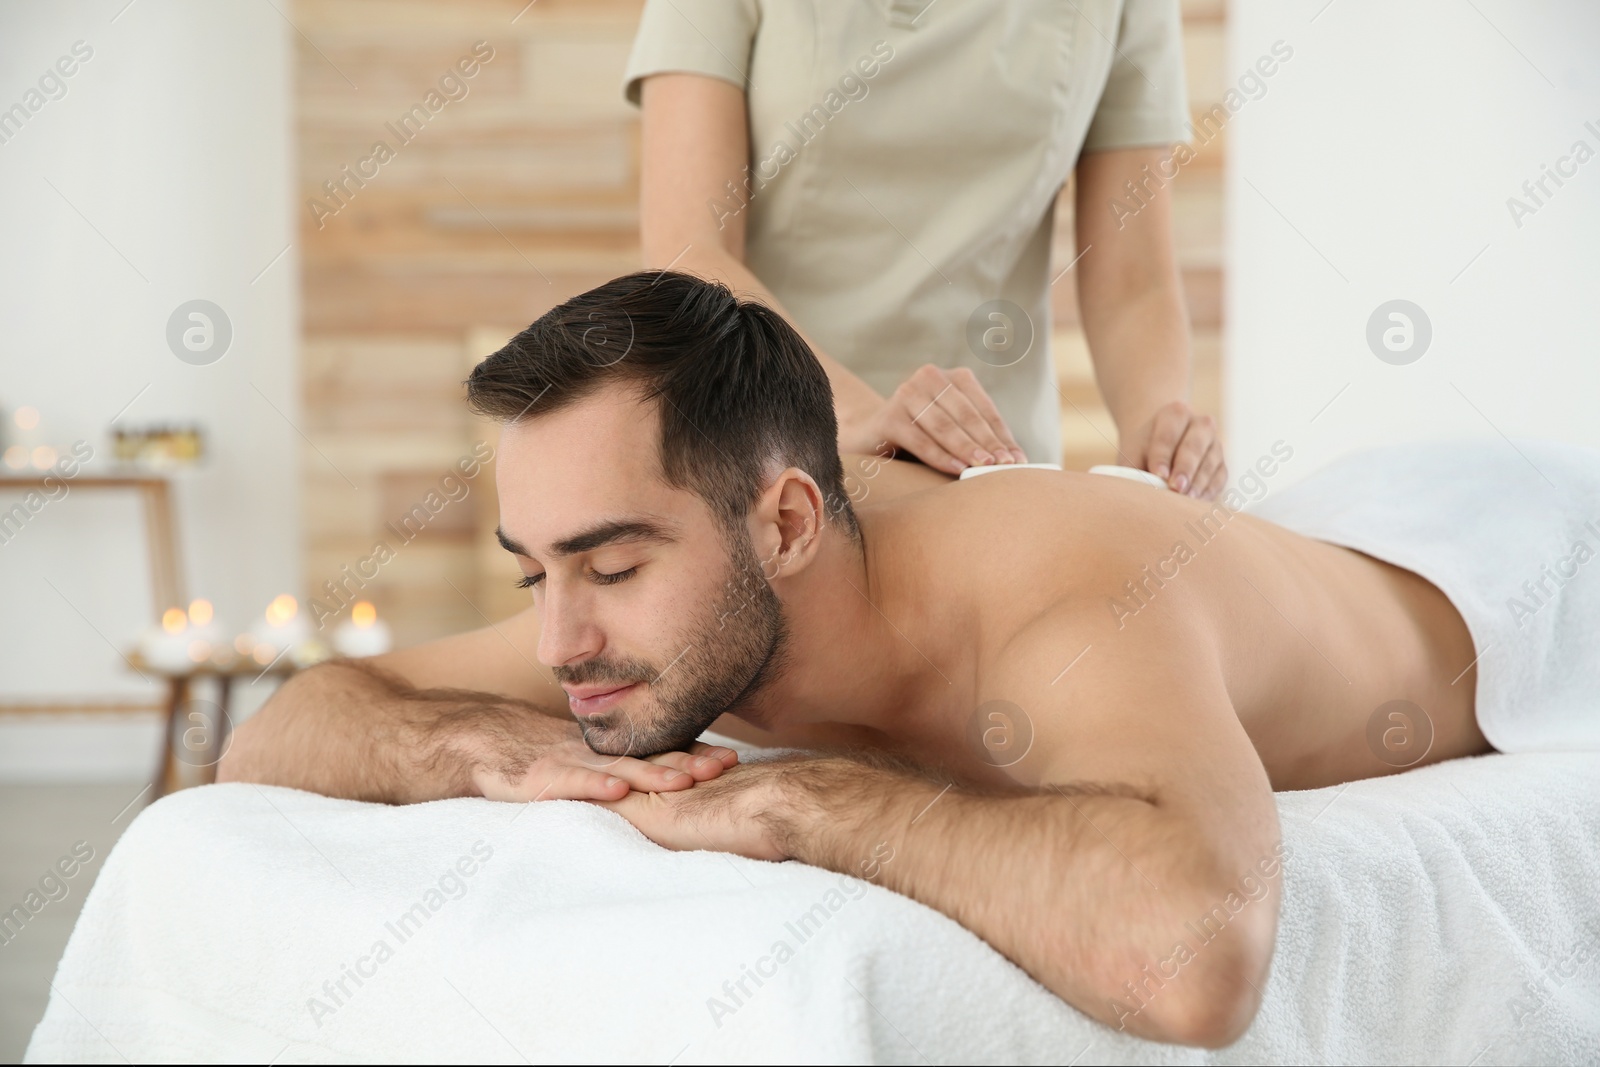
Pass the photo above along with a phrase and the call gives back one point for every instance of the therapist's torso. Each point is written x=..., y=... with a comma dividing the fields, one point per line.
x=905, y=160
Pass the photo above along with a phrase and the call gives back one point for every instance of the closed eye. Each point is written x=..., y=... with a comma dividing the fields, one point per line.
x=600, y=578
x=528, y=581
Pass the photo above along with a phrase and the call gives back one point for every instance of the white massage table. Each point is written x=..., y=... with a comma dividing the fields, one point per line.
x=1450, y=914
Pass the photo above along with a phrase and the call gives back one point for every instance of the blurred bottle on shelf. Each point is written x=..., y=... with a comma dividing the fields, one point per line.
x=159, y=447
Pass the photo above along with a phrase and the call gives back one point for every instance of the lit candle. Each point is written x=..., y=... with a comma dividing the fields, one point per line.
x=166, y=647
x=206, y=638
x=280, y=629
x=364, y=634
x=23, y=451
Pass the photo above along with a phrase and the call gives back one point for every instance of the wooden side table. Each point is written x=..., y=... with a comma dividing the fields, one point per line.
x=202, y=744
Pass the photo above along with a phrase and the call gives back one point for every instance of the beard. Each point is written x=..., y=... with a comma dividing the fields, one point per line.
x=730, y=655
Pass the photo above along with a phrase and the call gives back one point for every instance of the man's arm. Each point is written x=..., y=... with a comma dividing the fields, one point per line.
x=1131, y=876
x=468, y=715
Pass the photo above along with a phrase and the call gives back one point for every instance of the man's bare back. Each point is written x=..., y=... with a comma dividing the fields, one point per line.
x=1313, y=639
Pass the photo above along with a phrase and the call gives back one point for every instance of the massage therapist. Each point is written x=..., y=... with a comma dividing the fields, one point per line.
x=884, y=174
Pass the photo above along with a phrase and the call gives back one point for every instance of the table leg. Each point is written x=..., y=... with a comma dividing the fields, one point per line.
x=177, y=699
x=221, y=730
x=161, y=532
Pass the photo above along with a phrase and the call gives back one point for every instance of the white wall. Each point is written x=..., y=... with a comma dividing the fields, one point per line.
x=1384, y=151
x=170, y=157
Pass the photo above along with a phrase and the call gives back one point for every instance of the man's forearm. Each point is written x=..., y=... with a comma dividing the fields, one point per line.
x=347, y=730
x=1089, y=890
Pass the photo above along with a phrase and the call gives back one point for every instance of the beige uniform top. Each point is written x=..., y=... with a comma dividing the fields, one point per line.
x=905, y=159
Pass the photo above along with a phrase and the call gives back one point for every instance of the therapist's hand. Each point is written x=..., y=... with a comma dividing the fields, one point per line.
x=1182, y=447
x=943, y=417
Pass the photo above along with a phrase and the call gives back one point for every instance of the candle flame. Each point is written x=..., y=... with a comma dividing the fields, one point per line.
x=282, y=609
x=16, y=457
x=200, y=612
x=173, y=620
x=27, y=418
x=363, y=614
x=44, y=456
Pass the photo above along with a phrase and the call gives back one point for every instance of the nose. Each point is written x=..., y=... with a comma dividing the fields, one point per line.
x=565, y=634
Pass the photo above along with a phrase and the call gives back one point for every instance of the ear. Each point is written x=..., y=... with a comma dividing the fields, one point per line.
x=788, y=519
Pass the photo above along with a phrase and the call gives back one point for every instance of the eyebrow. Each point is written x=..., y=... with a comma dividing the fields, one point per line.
x=610, y=532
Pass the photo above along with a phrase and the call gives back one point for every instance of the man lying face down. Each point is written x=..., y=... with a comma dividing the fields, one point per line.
x=1061, y=729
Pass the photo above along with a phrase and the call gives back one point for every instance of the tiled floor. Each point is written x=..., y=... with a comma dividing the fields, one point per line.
x=39, y=825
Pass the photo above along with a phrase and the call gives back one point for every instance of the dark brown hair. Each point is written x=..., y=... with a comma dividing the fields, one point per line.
x=736, y=387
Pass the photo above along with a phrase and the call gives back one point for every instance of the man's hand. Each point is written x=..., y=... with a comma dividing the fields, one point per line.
x=733, y=814
x=1181, y=447
x=943, y=417
x=568, y=769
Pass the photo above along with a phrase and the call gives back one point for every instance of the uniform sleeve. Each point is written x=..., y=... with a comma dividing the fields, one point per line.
x=693, y=36
x=1145, y=101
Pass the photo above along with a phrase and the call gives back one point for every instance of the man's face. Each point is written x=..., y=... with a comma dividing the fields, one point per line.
x=654, y=619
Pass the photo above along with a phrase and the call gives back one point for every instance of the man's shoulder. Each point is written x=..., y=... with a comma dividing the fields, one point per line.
x=1016, y=535
x=498, y=658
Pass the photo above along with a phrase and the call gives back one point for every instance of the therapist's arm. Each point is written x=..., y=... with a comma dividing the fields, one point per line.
x=1130, y=299
x=695, y=141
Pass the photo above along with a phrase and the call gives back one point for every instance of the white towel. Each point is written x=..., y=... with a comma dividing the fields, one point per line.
x=1448, y=914
x=1510, y=532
